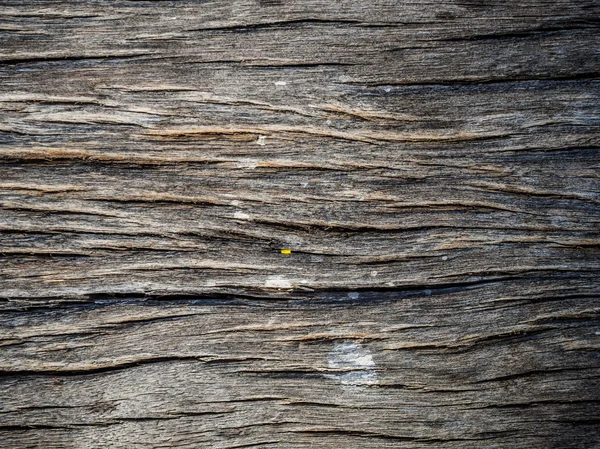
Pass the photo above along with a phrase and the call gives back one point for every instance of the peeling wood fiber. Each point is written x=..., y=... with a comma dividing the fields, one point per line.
x=297, y=224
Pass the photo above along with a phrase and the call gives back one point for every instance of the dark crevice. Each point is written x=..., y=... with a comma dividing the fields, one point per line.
x=583, y=76
x=43, y=59
x=29, y=427
x=99, y=370
x=67, y=372
x=584, y=26
x=174, y=416
x=321, y=295
x=276, y=24
x=532, y=373
x=302, y=65
x=519, y=405
x=466, y=345
x=354, y=433
x=250, y=297
x=285, y=373
x=261, y=443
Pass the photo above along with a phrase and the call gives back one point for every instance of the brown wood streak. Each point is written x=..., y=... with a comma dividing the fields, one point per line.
x=433, y=168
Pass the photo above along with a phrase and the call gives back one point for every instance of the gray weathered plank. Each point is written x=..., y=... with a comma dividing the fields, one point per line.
x=433, y=168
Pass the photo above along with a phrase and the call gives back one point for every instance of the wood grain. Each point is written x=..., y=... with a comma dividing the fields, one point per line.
x=432, y=167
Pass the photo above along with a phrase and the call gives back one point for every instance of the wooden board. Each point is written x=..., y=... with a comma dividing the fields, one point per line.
x=429, y=170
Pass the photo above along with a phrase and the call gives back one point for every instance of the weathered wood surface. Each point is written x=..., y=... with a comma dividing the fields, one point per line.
x=433, y=168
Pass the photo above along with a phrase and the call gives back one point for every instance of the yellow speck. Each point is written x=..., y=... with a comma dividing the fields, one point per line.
x=286, y=251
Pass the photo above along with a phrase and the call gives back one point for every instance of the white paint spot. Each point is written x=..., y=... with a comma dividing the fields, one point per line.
x=374, y=273
x=277, y=282
x=354, y=364
x=262, y=140
x=304, y=184
x=353, y=295
x=444, y=257
x=293, y=240
x=235, y=203
x=388, y=89
x=280, y=83
x=241, y=216
x=247, y=163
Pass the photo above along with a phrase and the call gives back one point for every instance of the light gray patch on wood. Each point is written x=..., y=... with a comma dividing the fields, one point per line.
x=354, y=363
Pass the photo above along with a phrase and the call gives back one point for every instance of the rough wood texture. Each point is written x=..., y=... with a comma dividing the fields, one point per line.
x=433, y=168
